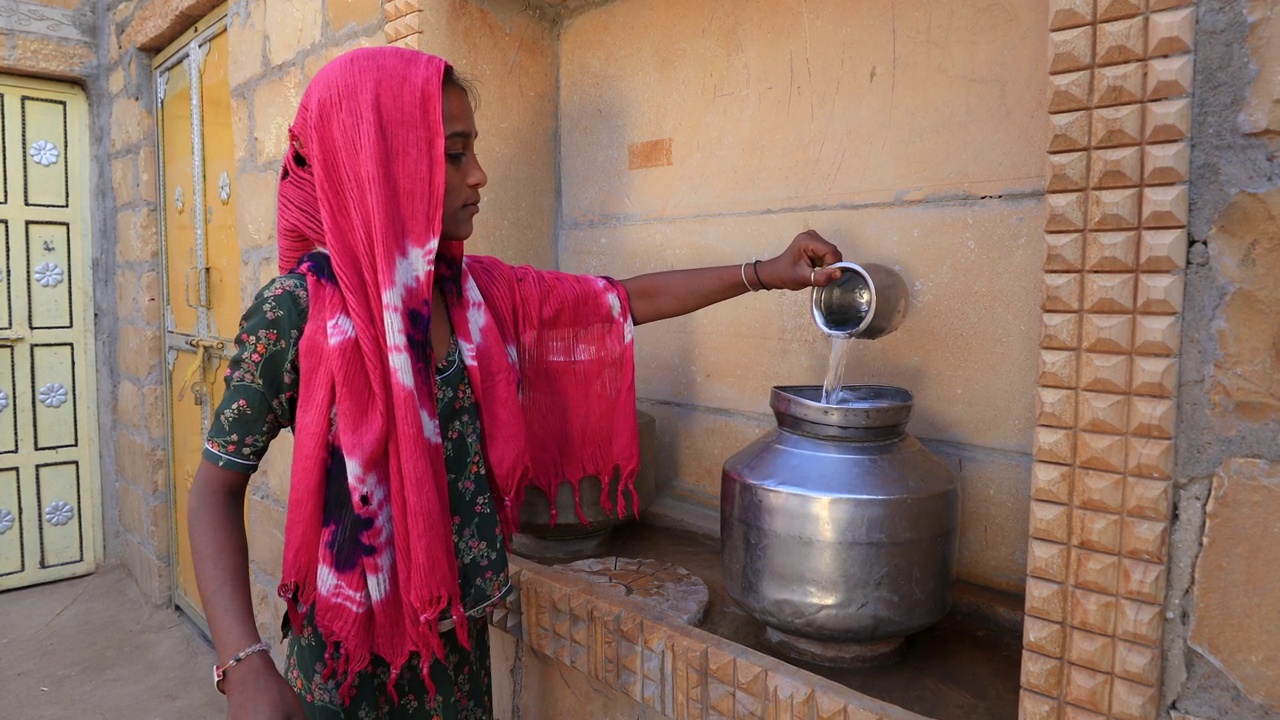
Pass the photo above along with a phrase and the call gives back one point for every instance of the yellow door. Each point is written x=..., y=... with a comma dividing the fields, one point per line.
x=50, y=515
x=202, y=257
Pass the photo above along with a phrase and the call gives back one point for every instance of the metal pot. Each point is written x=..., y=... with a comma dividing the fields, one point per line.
x=865, y=302
x=569, y=537
x=838, y=526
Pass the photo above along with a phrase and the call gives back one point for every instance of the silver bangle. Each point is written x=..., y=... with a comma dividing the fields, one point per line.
x=744, y=278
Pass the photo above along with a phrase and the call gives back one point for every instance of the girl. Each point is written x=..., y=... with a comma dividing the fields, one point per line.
x=425, y=391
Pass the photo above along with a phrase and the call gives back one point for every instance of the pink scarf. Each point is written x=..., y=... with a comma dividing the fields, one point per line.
x=548, y=355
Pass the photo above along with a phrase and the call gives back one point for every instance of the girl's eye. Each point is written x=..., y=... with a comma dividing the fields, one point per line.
x=455, y=158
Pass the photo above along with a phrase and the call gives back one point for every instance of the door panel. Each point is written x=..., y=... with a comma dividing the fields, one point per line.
x=48, y=252
x=44, y=134
x=187, y=442
x=13, y=523
x=221, y=240
x=8, y=420
x=58, y=491
x=178, y=197
x=53, y=404
x=50, y=516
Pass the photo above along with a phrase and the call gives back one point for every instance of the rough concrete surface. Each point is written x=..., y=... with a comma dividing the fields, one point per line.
x=1227, y=404
x=93, y=648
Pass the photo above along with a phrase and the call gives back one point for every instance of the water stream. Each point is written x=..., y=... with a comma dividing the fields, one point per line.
x=835, y=371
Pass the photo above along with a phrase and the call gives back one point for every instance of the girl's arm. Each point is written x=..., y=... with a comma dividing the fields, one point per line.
x=662, y=295
x=220, y=554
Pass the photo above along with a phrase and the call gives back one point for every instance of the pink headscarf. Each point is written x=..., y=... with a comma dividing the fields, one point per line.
x=548, y=355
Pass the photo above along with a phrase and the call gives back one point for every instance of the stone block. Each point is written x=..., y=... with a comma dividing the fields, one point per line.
x=129, y=404
x=272, y=477
x=266, y=535
x=1261, y=115
x=148, y=184
x=275, y=102
x=139, y=350
x=152, y=575
x=124, y=180
x=137, y=236
x=154, y=418
x=291, y=26
x=127, y=306
x=1237, y=600
x=149, y=297
x=1245, y=251
x=246, y=33
x=50, y=57
x=146, y=519
x=130, y=124
x=256, y=209
x=141, y=464
x=319, y=59
x=157, y=22
x=343, y=14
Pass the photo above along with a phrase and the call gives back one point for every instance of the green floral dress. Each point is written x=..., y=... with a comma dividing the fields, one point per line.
x=261, y=397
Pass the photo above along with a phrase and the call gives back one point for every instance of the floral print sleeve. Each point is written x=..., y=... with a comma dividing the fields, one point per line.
x=262, y=380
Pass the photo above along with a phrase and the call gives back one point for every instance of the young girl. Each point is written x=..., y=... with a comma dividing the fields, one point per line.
x=425, y=391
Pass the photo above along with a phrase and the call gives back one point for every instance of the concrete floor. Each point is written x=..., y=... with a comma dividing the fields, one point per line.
x=92, y=648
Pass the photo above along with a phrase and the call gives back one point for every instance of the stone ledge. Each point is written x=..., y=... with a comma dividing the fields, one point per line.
x=156, y=23
x=676, y=669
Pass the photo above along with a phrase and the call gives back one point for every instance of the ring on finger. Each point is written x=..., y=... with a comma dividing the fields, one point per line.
x=813, y=276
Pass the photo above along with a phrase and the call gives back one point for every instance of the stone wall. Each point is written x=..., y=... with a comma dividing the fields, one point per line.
x=912, y=135
x=1224, y=597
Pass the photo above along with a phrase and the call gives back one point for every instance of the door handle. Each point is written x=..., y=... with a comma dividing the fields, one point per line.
x=9, y=337
x=199, y=302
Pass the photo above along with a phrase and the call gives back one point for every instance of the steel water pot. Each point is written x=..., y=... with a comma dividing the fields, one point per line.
x=866, y=302
x=838, y=526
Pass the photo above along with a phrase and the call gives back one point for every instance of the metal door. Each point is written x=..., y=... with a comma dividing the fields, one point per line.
x=202, y=257
x=50, y=514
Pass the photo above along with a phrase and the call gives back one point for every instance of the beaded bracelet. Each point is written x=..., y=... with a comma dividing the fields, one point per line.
x=219, y=671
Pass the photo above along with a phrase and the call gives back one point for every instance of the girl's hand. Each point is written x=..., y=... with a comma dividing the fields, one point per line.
x=794, y=268
x=257, y=691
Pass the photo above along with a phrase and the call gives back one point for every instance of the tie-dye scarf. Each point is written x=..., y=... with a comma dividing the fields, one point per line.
x=548, y=355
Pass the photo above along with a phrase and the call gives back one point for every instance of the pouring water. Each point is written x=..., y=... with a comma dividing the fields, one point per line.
x=865, y=302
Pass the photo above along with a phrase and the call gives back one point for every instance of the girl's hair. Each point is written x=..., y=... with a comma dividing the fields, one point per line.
x=455, y=78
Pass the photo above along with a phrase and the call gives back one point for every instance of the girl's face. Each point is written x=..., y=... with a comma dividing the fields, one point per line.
x=463, y=176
